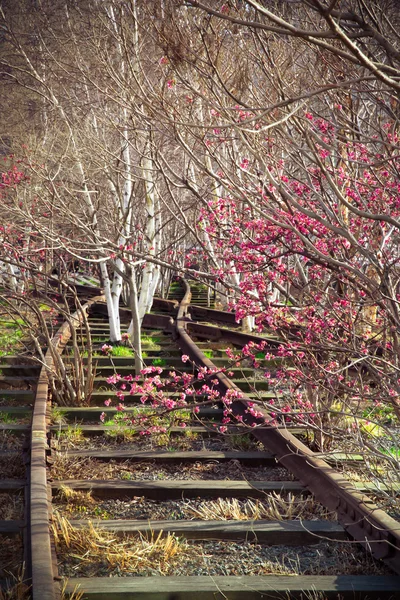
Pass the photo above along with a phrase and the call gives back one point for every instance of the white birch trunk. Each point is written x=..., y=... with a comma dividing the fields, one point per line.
x=135, y=326
x=113, y=319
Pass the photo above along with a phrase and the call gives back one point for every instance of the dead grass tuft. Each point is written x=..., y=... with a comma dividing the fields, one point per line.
x=16, y=588
x=92, y=549
x=274, y=508
x=75, y=497
x=11, y=506
x=76, y=594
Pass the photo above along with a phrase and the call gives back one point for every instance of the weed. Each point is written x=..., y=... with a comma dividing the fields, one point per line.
x=16, y=588
x=72, y=435
x=44, y=308
x=10, y=341
x=101, y=513
x=57, y=416
x=372, y=429
x=74, y=496
x=392, y=451
x=190, y=435
x=380, y=414
x=151, y=342
x=242, y=442
x=14, y=324
x=119, y=430
x=75, y=595
x=7, y=419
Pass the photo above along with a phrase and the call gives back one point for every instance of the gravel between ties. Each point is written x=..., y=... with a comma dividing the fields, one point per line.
x=87, y=468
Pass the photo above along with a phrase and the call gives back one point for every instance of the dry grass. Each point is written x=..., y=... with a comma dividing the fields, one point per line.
x=76, y=594
x=9, y=441
x=16, y=589
x=11, y=506
x=95, y=549
x=75, y=497
x=12, y=468
x=274, y=508
x=11, y=556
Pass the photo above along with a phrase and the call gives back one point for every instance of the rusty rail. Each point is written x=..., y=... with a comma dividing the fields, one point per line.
x=43, y=583
x=362, y=519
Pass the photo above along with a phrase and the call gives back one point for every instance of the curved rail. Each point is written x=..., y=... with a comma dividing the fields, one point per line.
x=375, y=529
x=43, y=582
x=364, y=521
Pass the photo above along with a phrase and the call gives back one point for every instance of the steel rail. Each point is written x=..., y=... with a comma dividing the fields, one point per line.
x=294, y=455
x=43, y=582
x=362, y=519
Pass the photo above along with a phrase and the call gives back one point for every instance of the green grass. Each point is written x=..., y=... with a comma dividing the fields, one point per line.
x=122, y=351
x=6, y=419
x=159, y=362
x=57, y=416
x=10, y=340
x=44, y=307
x=118, y=426
x=242, y=442
x=379, y=413
x=14, y=324
x=72, y=434
x=118, y=429
x=151, y=339
x=392, y=451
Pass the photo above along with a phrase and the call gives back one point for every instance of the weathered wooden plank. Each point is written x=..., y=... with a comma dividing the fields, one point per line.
x=11, y=527
x=162, y=490
x=11, y=485
x=14, y=428
x=175, y=456
x=21, y=395
x=236, y=588
x=15, y=359
x=20, y=370
x=191, y=488
x=15, y=411
x=266, y=532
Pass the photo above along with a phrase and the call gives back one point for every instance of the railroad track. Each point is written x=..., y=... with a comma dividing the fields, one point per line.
x=192, y=504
